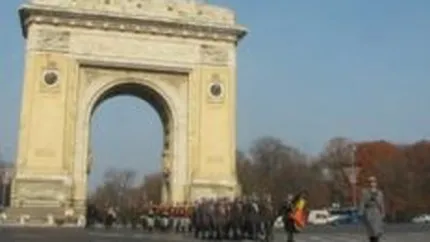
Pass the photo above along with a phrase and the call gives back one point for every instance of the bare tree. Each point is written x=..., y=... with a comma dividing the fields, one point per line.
x=152, y=187
x=116, y=184
x=278, y=168
x=245, y=173
x=336, y=154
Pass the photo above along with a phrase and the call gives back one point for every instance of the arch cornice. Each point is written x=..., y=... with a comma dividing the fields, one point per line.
x=32, y=13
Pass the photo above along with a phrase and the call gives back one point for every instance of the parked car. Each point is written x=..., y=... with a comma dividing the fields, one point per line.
x=345, y=215
x=321, y=217
x=421, y=219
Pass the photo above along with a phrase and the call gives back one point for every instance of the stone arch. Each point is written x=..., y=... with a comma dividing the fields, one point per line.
x=183, y=56
x=140, y=88
x=167, y=103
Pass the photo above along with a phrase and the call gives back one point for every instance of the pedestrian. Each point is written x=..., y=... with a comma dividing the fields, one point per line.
x=372, y=210
x=285, y=212
x=300, y=213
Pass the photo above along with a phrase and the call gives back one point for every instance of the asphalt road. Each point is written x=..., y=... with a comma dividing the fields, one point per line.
x=395, y=233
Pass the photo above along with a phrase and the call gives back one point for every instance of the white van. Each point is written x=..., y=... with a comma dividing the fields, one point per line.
x=321, y=217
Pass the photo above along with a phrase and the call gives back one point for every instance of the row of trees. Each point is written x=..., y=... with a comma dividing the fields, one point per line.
x=403, y=172
x=271, y=166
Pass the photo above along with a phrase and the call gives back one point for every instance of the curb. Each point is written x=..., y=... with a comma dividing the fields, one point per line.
x=29, y=225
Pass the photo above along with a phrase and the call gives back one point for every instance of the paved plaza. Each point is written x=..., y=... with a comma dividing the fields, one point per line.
x=341, y=234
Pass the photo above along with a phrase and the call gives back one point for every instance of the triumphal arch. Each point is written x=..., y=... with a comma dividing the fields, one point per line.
x=178, y=55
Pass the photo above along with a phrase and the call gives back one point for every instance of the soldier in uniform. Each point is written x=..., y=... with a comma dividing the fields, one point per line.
x=219, y=219
x=188, y=215
x=285, y=212
x=131, y=214
x=206, y=220
x=197, y=219
x=149, y=216
x=237, y=219
x=111, y=217
x=164, y=217
x=173, y=214
x=180, y=214
x=252, y=212
x=268, y=217
x=91, y=216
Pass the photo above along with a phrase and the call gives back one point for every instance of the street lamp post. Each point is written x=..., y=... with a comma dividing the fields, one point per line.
x=352, y=171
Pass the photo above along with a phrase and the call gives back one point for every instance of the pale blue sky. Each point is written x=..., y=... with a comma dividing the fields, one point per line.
x=308, y=70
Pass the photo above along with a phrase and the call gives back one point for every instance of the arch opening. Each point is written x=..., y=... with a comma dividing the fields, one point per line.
x=157, y=102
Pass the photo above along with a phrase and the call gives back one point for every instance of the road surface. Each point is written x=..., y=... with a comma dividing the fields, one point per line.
x=395, y=233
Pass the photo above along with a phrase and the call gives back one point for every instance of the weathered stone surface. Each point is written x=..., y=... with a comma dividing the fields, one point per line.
x=92, y=51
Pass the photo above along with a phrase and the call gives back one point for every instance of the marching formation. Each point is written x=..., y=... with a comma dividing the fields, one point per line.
x=216, y=219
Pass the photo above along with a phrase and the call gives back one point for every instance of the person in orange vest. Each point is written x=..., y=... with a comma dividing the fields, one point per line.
x=300, y=213
x=294, y=214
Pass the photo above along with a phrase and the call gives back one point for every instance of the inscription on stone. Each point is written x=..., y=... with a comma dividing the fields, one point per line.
x=53, y=40
x=215, y=159
x=44, y=152
x=133, y=48
x=34, y=190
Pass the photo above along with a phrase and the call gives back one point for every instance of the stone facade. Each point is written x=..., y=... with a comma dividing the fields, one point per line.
x=177, y=55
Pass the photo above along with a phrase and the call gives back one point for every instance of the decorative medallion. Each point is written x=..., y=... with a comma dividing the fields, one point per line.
x=50, y=81
x=216, y=89
x=50, y=77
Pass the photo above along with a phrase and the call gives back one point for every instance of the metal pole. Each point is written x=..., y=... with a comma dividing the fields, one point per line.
x=3, y=194
x=354, y=172
x=3, y=191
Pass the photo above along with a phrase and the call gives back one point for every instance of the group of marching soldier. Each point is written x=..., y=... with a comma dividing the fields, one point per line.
x=249, y=217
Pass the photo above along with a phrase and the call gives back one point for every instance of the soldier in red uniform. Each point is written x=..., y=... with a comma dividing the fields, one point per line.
x=174, y=217
x=181, y=215
x=150, y=212
x=187, y=217
x=164, y=217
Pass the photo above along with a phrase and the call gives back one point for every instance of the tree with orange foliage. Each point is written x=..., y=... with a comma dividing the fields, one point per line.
x=402, y=171
x=368, y=154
